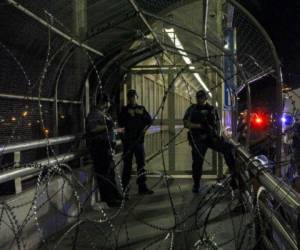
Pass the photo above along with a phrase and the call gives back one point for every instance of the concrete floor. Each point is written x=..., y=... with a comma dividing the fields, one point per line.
x=147, y=222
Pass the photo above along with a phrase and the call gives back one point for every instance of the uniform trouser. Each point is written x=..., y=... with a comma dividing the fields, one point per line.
x=199, y=148
x=104, y=171
x=136, y=149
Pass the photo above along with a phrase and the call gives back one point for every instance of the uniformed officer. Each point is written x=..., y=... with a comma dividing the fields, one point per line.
x=242, y=127
x=203, y=123
x=134, y=119
x=100, y=141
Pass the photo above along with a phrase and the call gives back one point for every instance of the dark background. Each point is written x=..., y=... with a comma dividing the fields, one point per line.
x=281, y=19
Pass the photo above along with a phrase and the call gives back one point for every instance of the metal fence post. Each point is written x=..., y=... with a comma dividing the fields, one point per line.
x=171, y=123
x=18, y=180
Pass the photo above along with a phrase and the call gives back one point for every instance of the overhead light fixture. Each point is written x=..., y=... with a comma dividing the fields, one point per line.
x=172, y=35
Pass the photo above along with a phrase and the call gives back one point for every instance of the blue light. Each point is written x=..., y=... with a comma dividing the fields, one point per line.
x=287, y=120
x=283, y=119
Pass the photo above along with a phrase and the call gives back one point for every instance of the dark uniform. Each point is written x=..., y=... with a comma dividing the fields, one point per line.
x=242, y=128
x=100, y=145
x=205, y=137
x=134, y=118
x=296, y=147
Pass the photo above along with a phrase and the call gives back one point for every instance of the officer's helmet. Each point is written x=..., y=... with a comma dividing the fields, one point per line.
x=201, y=94
x=131, y=93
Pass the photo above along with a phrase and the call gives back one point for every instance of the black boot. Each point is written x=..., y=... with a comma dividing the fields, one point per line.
x=196, y=188
x=143, y=189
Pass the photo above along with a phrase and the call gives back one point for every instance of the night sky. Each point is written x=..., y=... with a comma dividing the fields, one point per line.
x=281, y=19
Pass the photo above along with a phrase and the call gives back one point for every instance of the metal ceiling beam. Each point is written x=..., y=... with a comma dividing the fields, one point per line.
x=166, y=71
x=215, y=67
x=168, y=67
x=160, y=71
x=165, y=20
x=165, y=66
x=52, y=28
x=204, y=33
x=183, y=77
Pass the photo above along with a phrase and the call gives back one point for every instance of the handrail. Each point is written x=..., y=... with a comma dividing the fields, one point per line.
x=10, y=148
x=22, y=146
x=280, y=190
x=33, y=168
x=280, y=228
x=37, y=166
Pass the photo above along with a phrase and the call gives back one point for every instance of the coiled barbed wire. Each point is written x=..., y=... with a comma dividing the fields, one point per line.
x=61, y=169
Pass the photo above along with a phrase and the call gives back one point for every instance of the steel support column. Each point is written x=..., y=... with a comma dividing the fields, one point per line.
x=220, y=100
x=210, y=77
x=171, y=123
x=80, y=59
x=87, y=96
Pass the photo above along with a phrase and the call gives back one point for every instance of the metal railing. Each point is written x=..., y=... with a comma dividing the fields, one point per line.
x=17, y=174
x=33, y=168
x=282, y=195
x=37, y=166
x=18, y=147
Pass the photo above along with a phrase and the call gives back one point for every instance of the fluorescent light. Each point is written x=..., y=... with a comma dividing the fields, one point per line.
x=172, y=35
x=171, y=30
x=197, y=76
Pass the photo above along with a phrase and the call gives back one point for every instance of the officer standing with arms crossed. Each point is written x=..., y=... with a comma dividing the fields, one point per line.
x=203, y=123
x=100, y=141
x=134, y=119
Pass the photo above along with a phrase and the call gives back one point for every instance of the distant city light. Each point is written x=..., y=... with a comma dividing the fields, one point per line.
x=46, y=131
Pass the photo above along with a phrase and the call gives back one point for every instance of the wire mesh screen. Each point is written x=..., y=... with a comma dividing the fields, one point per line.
x=38, y=68
x=254, y=54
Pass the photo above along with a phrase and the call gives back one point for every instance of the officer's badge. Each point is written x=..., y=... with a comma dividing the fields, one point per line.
x=131, y=112
x=139, y=111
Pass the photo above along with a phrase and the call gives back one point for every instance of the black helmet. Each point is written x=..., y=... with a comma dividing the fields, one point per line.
x=131, y=93
x=201, y=94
